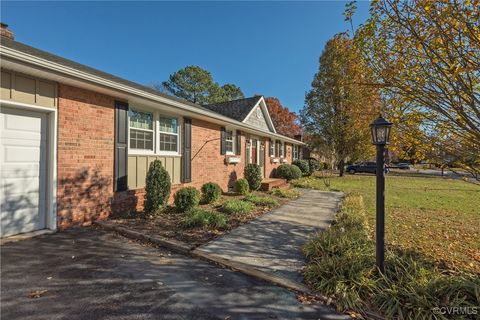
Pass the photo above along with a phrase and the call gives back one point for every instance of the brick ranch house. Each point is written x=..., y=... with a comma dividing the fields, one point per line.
x=76, y=143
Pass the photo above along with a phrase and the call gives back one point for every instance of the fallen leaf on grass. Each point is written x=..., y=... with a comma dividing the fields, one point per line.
x=37, y=294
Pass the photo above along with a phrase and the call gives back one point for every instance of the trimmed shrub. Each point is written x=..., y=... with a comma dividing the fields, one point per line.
x=237, y=207
x=197, y=217
x=285, y=193
x=211, y=192
x=313, y=165
x=262, y=201
x=303, y=166
x=253, y=174
x=157, y=187
x=241, y=186
x=288, y=171
x=186, y=198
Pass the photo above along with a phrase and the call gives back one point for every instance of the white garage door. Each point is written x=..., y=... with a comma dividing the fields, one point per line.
x=23, y=146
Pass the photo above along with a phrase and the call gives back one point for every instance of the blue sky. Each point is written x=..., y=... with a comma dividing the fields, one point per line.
x=269, y=48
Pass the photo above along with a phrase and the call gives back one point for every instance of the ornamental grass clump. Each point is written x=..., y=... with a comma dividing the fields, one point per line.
x=342, y=265
x=186, y=199
x=237, y=207
x=200, y=218
x=262, y=201
x=157, y=187
x=285, y=193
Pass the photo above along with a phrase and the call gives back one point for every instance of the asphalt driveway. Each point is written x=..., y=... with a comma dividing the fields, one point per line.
x=90, y=274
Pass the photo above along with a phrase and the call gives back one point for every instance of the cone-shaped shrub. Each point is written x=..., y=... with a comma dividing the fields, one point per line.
x=157, y=187
x=253, y=174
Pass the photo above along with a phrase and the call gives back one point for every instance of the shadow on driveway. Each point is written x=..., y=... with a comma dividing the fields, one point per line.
x=90, y=274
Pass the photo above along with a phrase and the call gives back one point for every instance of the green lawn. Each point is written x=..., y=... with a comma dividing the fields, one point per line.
x=438, y=217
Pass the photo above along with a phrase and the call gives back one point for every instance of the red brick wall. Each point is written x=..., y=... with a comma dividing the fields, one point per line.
x=85, y=156
x=208, y=165
x=269, y=166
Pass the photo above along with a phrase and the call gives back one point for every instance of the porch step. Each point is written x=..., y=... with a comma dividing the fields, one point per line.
x=269, y=184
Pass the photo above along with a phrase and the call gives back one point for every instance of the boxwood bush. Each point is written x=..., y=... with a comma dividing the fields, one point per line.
x=237, y=207
x=157, y=187
x=241, y=186
x=211, y=192
x=197, y=217
x=186, y=198
x=253, y=174
x=303, y=166
x=288, y=171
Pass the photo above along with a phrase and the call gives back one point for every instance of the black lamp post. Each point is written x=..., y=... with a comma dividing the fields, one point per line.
x=380, y=135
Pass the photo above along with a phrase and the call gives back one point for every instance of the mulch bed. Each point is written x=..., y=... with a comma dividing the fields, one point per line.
x=168, y=222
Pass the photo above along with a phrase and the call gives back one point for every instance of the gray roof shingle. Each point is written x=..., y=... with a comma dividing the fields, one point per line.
x=18, y=46
x=235, y=109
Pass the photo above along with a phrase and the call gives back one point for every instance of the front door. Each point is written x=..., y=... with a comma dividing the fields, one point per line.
x=257, y=154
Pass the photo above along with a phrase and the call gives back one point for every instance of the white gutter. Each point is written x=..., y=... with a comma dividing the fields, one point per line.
x=56, y=67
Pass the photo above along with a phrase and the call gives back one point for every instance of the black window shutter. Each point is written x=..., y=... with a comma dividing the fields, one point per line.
x=223, y=137
x=187, y=151
x=121, y=146
x=238, y=143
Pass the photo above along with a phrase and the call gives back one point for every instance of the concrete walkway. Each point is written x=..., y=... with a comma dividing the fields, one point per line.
x=273, y=243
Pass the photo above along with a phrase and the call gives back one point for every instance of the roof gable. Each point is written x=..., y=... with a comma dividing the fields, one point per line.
x=259, y=117
x=245, y=110
x=235, y=109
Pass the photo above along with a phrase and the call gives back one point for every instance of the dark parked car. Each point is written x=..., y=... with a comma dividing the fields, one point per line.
x=403, y=166
x=365, y=167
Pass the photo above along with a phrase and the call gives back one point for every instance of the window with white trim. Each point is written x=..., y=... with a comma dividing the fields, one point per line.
x=168, y=134
x=141, y=130
x=282, y=149
x=295, y=152
x=229, y=141
x=272, y=148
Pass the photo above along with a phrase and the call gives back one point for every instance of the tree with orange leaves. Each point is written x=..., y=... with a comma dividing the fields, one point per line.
x=285, y=121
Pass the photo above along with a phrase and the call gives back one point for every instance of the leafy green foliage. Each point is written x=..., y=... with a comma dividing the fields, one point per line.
x=211, y=192
x=157, y=187
x=342, y=265
x=253, y=174
x=241, y=186
x=285, y=193
x=186, y=198
x=288, y=171
x=197, y=85
x=313, y=165
x=239, y=207
x=262, y=201
x=197, y=217
x=303, y=166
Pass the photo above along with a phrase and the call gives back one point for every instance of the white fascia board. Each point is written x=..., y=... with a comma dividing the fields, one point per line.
x=89, y=78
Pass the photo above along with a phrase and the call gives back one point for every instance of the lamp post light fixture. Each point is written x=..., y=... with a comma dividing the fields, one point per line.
x=380, y=135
